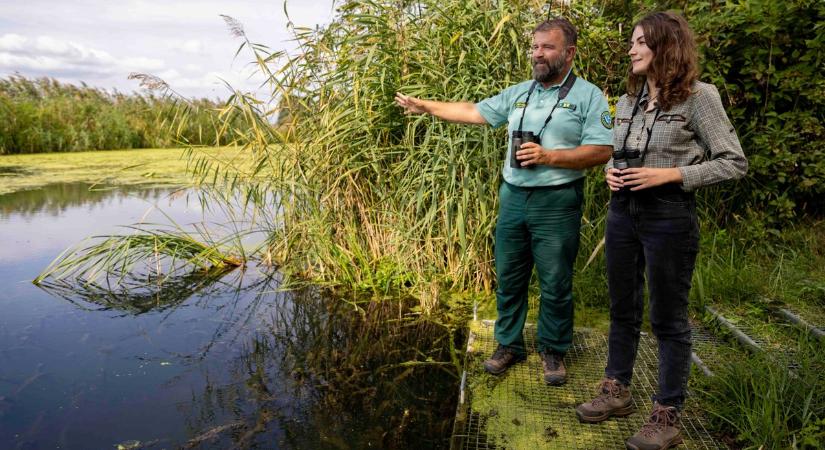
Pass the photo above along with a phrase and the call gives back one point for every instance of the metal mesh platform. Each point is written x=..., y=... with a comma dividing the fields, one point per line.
x=771, y=334
x=812, y=314
x=709, y=352
x=518, y=411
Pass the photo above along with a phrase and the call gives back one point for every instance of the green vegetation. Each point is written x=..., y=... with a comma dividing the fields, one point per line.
x=767, y=59
x=769, y=406
x=170, y=251
x=359, y=196
x=44, y=115
x=371, y=199
x=145, y=167
x=774, y=399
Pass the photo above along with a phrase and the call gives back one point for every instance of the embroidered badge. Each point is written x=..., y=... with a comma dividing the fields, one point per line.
x=520, y=105
x=607, y=120
x=567, y=105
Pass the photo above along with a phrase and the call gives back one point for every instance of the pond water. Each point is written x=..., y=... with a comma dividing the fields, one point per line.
x=227, y=362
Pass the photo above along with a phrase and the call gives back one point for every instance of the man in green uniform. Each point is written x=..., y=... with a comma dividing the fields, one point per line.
x=541, y=196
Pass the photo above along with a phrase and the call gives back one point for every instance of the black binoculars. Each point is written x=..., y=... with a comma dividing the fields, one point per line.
x=519, y=138
x=625, y=158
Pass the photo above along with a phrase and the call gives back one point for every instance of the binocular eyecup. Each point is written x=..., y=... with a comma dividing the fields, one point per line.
x=625, y=159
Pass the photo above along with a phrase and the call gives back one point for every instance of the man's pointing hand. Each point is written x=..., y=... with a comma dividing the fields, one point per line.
x=411, y=105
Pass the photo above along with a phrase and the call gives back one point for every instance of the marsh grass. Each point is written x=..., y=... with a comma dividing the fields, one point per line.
x=44, y=115
x=366, y=197
x=773, y=399
x=740, y=265
x=148, y=250
x=375, y=200
x=766, y=405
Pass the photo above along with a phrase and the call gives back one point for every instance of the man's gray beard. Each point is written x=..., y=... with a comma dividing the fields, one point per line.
x=547, y=71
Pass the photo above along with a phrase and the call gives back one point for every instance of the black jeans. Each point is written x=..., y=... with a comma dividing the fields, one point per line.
x=653, y=232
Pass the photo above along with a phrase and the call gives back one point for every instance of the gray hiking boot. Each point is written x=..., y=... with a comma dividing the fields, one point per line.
x=660, y=432
x=502, y=359
x=555, y=374
x=613, y=400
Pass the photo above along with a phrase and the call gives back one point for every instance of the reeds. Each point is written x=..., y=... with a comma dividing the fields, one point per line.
x=43, y=115
x=153, y=252
x=355, y=193
x=371, y=198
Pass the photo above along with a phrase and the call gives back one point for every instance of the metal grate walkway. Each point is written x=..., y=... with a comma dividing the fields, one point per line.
x=518, y=411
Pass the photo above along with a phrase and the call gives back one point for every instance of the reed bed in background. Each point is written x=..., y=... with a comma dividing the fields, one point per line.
x=43, y=115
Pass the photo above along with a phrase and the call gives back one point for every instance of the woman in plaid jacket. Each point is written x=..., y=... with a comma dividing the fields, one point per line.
x=671, y=136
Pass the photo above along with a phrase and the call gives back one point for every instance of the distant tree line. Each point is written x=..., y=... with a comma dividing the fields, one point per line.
x=44, y=115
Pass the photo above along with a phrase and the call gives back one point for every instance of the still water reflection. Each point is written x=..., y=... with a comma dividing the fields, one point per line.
x=220, y=362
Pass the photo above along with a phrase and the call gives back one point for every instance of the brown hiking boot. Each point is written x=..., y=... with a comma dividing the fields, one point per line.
x=502, y=358
x=613, y=400
x=660, y=432
x=554, y=372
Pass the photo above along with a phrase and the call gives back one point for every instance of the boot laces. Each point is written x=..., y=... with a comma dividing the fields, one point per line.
x=608, y=389
x=660, y=418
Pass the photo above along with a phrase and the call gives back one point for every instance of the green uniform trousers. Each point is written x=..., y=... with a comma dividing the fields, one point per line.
x=538, y=225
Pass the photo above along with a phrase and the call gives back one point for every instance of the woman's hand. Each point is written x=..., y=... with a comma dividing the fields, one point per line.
x=639, y=178
x=613, y=181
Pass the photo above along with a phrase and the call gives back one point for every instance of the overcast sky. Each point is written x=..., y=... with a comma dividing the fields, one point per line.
x=184, y=42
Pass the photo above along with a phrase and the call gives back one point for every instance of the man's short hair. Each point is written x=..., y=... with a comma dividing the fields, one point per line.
x=559, y=23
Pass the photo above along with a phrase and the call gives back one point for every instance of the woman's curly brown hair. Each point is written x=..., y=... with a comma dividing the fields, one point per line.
x=674, y=65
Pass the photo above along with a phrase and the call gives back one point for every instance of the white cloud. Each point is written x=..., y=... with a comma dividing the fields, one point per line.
x=140, y=64
x=17, y=63
x=100, y=42
x=12, y=42
x=194, y=46
x=51, y=56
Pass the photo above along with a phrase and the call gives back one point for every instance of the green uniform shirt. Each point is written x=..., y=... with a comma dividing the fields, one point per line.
x=582, y=118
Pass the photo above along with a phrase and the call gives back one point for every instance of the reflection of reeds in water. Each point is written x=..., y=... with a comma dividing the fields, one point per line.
x=55, y=199
x=136, y=295
x=330, y=375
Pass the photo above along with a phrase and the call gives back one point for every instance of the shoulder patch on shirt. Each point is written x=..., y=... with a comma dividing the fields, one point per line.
x=567, y=105
x=519, y=105
x=607, y=120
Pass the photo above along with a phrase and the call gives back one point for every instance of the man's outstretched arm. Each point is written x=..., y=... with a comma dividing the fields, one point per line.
x=459, y=112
